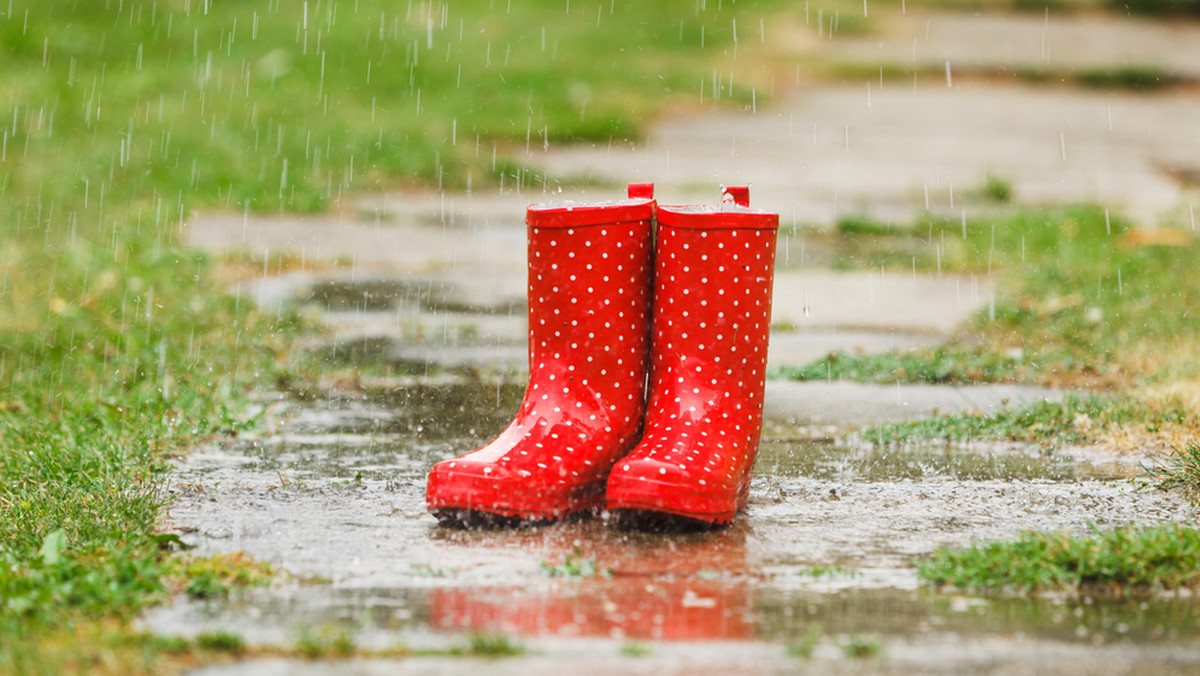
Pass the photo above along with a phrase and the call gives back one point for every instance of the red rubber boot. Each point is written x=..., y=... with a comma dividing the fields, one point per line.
x=589, y=305
x=712, y=312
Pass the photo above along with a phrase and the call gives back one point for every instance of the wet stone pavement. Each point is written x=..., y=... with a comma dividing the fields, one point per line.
x=331, y=492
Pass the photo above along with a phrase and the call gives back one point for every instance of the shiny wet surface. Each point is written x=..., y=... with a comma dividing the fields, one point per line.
x=332, y=492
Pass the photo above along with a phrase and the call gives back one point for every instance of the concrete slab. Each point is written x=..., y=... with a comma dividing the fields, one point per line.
x=1015, y=41
x=827, y=151
x=847, y=405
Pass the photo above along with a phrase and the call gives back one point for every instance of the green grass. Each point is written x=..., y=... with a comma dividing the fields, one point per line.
x=221, y=641
x=949, y=364
x=217, y=576
x=1177, y=469
x=484, y=645
x=1131, y=78
x=1155, y=7
x=863, y=646
x=636, y=649
x=807, y=643
x=830, y=571
x=262, y=105
x=1124, y=560
x=1074, y=419
x=574, y=565
x=324, y=642
x=995, y=189
x=1082, y=299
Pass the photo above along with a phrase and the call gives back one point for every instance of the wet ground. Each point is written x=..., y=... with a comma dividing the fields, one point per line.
x=431, y=285
x=332, y=493
x=330, y=490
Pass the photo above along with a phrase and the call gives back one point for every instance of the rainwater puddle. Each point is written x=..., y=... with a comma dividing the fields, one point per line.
x=840, y=461
x=472, y=295
x=333, y=493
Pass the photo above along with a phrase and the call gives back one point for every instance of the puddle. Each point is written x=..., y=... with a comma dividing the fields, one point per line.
x=468, y=296
x=676, y=610
x=851, y=462
x=401, y=433
x=333, y=493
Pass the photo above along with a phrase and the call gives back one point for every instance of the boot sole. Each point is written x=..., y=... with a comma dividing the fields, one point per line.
x=478, y=514
x=658, y=504
x=475, y=518
x=655, y=520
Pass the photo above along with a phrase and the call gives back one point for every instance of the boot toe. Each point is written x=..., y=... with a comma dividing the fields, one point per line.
x=660, y=486
x=458, y=486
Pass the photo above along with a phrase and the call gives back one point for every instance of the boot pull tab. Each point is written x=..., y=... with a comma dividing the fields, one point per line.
x=641, y=191
x=735, y=194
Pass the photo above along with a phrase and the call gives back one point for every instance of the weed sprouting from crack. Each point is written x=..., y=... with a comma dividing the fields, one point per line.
x=575, y=565
x=1178, y=469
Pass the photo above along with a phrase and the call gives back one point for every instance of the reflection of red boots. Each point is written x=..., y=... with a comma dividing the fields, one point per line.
x=633, y=608
x=712, y=311
x=658, y=588
x=589, y=288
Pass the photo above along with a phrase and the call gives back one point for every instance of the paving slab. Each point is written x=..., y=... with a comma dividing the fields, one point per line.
x=847, y=405
x=893, y=152
x=1062, y=41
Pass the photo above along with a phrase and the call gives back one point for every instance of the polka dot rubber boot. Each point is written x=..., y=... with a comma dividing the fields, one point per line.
x=712, y=309
x=590, y=271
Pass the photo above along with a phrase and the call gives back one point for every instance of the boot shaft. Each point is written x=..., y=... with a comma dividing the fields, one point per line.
x=712, y=310
x=589, y=299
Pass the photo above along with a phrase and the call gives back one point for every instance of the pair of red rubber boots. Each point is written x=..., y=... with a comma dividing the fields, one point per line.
x=647, y=359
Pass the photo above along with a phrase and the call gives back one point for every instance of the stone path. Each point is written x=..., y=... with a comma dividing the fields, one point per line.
x=332, y=490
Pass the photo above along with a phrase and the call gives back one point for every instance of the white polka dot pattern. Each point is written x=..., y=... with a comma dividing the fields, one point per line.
x=712, y=311
x=589, y=304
